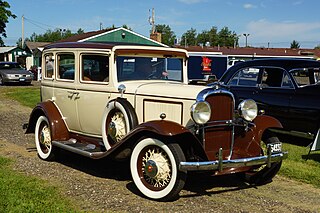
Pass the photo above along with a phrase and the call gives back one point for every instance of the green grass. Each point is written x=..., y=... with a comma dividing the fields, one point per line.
x=297, y=167
x=29, y=96
x=20, y=193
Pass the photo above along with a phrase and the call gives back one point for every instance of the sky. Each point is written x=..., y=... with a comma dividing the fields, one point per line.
x=273, y=23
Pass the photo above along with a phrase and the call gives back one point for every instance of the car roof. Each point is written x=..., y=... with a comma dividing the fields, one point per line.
x=94, y=45
x=285, y=63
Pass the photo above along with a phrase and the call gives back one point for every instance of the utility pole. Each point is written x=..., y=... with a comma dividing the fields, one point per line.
x=22, y=36
x=246, y=35
x=152, y=21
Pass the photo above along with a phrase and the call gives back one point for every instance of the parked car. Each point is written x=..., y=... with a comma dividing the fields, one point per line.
x=288, y=89
x=233, y=62
x=134, y=102
x=12, y=72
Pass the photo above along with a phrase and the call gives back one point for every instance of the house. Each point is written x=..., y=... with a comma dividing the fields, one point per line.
x=118, y=35
x=15, y=54
x=35, y=48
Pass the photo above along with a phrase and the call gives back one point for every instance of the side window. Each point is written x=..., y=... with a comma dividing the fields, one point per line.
x=245, y=77
x=95, y=68
x=272, y=77
x=65, y=66
x=306, y=76
x=49, y=65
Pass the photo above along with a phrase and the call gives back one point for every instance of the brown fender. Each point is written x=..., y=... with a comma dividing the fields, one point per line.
x=264, y=122
x=168, y=131
x=248, y=144
x=58, y=127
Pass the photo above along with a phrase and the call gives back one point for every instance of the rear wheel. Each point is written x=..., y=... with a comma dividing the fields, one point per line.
x=1, y=80
x=43, y=139
x=154, y=169
x=264, y=174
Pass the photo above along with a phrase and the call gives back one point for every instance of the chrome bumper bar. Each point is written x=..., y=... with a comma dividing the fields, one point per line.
x=232, y=163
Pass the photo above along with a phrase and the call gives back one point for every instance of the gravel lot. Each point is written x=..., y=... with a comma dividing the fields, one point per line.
x=106, y=185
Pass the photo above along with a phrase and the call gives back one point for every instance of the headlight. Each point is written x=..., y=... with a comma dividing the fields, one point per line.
x=248, y=109
x=201, y=112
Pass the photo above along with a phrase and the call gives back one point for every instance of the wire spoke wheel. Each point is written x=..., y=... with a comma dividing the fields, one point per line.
x=116, y=126
x=154, y=169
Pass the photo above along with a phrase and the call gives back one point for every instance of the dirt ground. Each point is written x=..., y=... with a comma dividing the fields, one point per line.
x=106, y=185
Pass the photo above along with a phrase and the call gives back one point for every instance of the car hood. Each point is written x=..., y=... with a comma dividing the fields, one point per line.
x=164, y=89
x=15, y=71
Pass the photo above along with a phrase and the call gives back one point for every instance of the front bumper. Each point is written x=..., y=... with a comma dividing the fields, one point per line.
x=221, y=164
x=18, y=79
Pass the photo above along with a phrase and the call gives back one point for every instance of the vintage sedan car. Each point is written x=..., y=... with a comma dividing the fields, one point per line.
x=287, y=89
x=134, y=102
x=12, y=72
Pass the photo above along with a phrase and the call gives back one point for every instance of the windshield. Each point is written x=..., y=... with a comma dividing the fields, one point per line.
x=149, y=68
x=10, y=66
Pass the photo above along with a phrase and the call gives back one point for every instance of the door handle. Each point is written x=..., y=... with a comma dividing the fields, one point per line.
x=72, y=94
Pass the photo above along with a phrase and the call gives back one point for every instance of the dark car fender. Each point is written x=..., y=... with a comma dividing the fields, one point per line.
x=167, y=131
x=58, y=127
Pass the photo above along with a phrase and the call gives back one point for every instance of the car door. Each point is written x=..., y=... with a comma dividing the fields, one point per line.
x=274, y=93
x=250, y=82
x=305, y=104
x=64, y=89
x=94, y=91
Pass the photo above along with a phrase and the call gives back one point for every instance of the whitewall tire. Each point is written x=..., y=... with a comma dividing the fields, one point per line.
x=43, y=139
x=154, y=169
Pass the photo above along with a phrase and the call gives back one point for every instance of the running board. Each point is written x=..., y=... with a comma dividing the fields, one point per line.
x=87, y=150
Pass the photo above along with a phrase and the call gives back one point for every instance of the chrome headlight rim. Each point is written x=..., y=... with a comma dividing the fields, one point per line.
x=248, y=109
x=201, y=112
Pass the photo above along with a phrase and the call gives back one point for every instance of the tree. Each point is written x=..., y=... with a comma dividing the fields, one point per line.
x=5, y=14
x=189, y=37
x=227, y=38
x=208, y=36
x=294, y=45
x=51, y=36
x=167, y=35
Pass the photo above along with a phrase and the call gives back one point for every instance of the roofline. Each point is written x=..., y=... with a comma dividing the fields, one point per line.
x=271, y=56
x=113, y=46
x=121, y=28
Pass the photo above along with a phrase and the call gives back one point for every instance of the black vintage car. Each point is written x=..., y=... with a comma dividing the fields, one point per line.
x=288, y=89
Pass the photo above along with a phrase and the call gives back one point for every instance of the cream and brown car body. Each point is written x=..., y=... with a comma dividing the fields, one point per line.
x=98, y=100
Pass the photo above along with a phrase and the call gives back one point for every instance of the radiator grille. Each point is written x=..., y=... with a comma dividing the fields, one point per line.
x=222, y=109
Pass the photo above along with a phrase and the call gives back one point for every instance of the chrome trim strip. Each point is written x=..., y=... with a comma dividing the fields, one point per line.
x=220, y=165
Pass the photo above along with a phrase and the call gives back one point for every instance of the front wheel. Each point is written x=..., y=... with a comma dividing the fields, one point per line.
x=264, y=174
x=154, y=169
x=43, y=139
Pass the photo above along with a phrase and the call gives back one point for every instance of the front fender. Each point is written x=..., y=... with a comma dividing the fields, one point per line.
x=264, y=122
x=58, y=127
x=168, y=132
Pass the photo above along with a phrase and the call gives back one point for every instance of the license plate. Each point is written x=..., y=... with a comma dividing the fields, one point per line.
x=276, y=147
x=22, y=79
